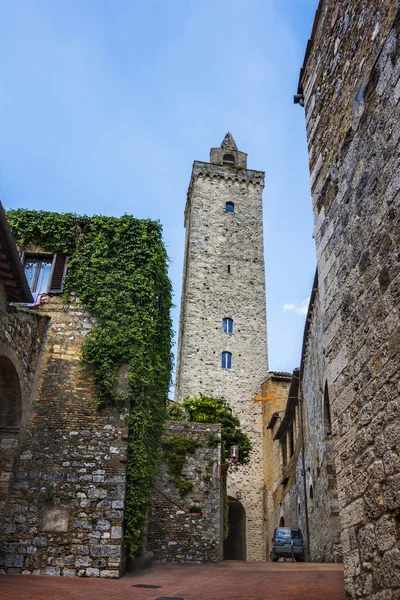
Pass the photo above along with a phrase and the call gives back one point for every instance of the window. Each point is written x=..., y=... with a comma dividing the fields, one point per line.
x=227, y=325
x=327, y=414
x=45, y=274
x=228, y=159
x=226, y=360
x=229, y=207
x=37, y=273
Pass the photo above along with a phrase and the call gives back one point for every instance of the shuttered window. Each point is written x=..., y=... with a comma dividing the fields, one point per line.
x=58, y=270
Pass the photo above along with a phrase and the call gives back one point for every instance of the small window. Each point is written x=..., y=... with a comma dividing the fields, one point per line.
x=227, y=325
x=229, y=159
x=229, y=207
x=311, y=492
x=226, y=360
x=327, y=414
x=37, y=273
x=45, y=274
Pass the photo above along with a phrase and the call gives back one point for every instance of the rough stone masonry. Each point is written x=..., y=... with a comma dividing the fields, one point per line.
x=351, y=86
x=224, y=278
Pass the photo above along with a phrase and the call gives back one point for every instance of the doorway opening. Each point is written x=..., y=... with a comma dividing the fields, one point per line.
x=281, y=522
x=235, y=543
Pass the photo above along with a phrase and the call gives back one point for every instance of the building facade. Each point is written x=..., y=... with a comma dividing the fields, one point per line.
x=303, y=489
x=350, y=88
x=222, y=348
x=63, y=489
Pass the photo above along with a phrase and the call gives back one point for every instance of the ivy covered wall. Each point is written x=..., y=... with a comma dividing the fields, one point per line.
x=117, y=267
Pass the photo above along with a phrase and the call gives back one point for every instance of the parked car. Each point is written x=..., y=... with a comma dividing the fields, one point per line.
x=288, y=542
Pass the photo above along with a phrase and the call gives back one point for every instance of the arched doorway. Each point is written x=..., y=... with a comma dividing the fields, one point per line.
x=282, y=522
x=10, y=419
x=235, y=543
x=10, y=396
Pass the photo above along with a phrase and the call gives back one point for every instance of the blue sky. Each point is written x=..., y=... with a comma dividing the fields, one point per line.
x=105, y=104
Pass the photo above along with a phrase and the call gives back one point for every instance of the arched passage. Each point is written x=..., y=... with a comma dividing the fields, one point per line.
x=10, y=419
x=282, y=522
x=10, y=396
x=235, y=543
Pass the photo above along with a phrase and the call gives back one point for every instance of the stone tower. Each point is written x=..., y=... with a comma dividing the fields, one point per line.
x=222, y=349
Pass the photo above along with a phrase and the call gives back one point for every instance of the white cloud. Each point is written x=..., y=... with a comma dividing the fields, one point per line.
x=301, y=310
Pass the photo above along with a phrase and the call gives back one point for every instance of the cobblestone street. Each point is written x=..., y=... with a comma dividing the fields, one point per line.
x=227, y=580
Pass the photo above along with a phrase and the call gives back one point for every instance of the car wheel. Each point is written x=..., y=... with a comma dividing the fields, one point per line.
x=274, y=558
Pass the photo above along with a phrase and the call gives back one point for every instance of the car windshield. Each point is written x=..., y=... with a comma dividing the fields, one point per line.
x=287, y=533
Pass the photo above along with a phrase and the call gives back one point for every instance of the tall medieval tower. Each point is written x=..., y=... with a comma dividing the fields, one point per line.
x=222, y=349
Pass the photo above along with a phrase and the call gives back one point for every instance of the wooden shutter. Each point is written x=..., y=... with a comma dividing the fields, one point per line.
x=58, y=270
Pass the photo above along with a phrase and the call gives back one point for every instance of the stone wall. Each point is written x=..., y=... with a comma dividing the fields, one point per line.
x=188, y=529
x=352, y=90
x=64, y=511
x=285, y=494
x=323, y=508
x=21, y=335
x=224, y=277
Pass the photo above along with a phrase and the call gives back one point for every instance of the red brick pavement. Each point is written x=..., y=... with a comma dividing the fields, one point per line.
x=227, y=580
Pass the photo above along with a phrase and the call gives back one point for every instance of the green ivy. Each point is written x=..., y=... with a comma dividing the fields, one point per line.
x=205, y=409
x=118, y=267
x=175, y=450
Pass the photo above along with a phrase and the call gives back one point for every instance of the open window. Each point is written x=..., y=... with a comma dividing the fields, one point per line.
x=229, y=207
x=45, y=273
x=228, y=159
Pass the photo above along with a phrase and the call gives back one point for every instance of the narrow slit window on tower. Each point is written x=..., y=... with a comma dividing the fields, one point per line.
x=228, y=159
x=229, y=207
x=227, y=325
x=226, y=360
x=229, y=268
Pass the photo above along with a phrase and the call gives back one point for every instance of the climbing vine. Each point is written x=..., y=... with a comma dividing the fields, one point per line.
x=118, y=269
x=205, y=409
x=175, y=450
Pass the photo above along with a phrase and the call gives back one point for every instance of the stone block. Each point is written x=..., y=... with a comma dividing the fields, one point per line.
x=108, y=574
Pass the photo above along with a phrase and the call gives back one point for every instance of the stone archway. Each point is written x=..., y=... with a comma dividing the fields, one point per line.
x=10, y=420
x=235, y=543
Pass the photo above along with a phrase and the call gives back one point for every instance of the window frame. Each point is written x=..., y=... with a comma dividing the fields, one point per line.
x=228, y=321
x=231, y=208
x=39, y=259
x=58, y=270
x=226, y=360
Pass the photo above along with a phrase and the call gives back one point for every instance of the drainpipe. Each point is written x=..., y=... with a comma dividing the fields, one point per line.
x=303, y=471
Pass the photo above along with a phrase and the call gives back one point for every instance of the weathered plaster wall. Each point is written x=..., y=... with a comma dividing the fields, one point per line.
x=175, y=534
x=216, y=239
x=352, y=92
x=64, y=513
